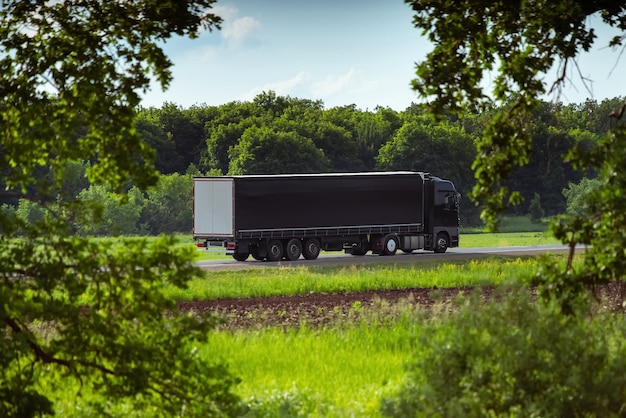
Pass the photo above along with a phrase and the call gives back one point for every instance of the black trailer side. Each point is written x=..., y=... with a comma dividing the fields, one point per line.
x=266, y=203
x=275, y=216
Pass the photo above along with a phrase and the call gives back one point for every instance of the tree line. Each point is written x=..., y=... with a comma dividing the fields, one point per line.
x=276, y=134
x=279, y=134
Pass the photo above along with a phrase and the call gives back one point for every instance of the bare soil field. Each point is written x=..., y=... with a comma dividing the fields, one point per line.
x=320, y=309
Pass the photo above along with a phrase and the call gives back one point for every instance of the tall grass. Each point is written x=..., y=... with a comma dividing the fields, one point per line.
x=304, y=280
x=338, y=372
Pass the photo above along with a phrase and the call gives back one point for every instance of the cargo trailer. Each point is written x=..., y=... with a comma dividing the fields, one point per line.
x=286, y=216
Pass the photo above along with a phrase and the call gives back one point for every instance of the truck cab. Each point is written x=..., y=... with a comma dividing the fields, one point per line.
x=442, y=214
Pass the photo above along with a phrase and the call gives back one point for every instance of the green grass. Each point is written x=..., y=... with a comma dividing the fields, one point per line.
x=328, y=372
x=341, y=370
x=514, y=224
x=272, y=281
x=506, y=239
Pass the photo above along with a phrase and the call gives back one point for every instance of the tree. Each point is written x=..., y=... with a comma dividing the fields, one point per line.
x=224, y=132
x=267, y=151
x=578, y=194
x=442, y=149
x=546, y=172
x=168, y=205
x=523, y=40
x=117, y=218
x=70, y=82
x=535, y=210
x=526, y=39
x=167, y=160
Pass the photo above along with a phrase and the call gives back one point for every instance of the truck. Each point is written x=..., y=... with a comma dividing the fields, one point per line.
x=286, y=216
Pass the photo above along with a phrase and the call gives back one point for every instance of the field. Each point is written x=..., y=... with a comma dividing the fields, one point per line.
x=335, y=341
x=340, y=343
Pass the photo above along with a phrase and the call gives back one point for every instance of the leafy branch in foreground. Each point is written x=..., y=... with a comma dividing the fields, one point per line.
x=510, y=45
x=518, y=43
x=96, y=311
x=75, y=308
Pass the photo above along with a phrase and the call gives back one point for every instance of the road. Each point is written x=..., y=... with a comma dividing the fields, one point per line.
x=338, y=258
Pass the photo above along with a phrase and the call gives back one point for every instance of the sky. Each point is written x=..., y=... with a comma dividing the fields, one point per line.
x=342, y=52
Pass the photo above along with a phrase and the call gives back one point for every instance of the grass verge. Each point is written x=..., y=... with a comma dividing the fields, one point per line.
x=305, y=280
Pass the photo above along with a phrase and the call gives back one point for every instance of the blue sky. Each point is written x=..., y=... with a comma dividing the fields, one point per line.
x=342, y=52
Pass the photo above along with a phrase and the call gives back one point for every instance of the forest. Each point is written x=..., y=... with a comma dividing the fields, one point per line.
x=279, y=134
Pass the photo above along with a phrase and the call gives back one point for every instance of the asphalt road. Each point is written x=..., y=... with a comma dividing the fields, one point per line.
x=339, y=258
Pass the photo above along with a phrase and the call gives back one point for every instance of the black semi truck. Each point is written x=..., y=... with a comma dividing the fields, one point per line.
x=271, y=217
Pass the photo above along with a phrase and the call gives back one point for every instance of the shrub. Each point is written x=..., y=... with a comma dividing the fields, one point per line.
x=535, y=211
x=516, y=358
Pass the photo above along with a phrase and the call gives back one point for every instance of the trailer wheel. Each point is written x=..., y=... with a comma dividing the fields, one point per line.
x=390, y=245
x=311, y=249
x=361, y=248
x=241, y=256
x=358, y=251
x=275, y=250
x=294, y=249
x=441, y=245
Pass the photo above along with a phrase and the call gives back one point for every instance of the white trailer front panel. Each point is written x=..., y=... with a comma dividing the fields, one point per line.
x=213, y=206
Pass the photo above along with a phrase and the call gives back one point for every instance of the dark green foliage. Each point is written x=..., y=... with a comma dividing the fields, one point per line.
x=114, y=217
x=519, y=40
x=265, y=151
x=356, y=140
x=526, y=39
x=72, y=309
x=535, y=210
x=602, y=224
x=167, y=207
x=443, y=149
x=514, y=357
x=578, y=194
x=95, y=312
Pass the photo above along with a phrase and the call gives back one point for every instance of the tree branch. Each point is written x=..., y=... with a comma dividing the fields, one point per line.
x=44, y=357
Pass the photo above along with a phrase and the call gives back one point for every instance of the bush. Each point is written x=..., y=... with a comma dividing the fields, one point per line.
x=535, y=211
x=516, y=358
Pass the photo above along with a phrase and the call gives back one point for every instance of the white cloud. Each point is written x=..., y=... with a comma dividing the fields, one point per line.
x=281, y=88
x=235, y=29
x=332, y=85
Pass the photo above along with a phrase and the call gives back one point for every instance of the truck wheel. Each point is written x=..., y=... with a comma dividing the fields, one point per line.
x=294, y=249
x=257, y=255
x=311, y=249
x=390, y=245
x=441, y=245
x=274, y=250
x=241, y=256
x=358, y=251
x=361, y=248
